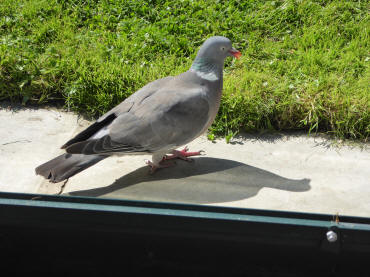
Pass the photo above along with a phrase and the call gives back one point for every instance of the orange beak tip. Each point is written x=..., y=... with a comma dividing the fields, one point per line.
x=237, y=54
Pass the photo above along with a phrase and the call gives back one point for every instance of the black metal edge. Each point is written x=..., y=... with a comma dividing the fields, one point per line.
x=336, y=218
x=243, y=228
x=23, y=214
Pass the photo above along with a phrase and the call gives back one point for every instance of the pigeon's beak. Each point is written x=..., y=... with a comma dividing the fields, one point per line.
x=235, y=53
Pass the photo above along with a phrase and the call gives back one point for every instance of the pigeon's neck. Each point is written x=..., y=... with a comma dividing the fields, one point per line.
x=208, y=70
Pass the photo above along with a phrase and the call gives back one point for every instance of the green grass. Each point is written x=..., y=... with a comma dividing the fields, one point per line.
x=305, y=64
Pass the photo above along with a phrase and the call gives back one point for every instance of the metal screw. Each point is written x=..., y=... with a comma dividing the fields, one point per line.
x=331, y=236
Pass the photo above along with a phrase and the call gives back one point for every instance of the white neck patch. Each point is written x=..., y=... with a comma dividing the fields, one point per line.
x=209, y=76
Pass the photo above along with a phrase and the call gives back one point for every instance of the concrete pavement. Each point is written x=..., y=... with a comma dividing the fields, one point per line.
x=291, y=172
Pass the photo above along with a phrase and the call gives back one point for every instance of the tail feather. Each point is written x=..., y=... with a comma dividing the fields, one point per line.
x=66, y=165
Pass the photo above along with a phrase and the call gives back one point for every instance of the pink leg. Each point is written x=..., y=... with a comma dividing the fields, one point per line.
x=154, y=167
x=183, y=154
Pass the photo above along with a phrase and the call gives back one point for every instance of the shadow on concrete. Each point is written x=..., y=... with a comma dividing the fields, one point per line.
x=273, y=137
x=206, y=180
x=17, y=106
x=269, y=137
x=56, y=106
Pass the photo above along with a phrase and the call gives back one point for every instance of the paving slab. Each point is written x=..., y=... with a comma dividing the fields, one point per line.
x=28, y=137
x=291, y=172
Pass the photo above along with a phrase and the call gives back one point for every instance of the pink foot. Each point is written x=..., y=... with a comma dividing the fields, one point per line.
x=183, y=154
x=153, y=167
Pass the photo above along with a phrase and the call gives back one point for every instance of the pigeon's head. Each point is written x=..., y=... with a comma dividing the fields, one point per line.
x=217, y=49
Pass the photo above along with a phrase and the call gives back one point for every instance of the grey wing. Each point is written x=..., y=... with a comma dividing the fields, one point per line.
x=170, y=119
x=105, y=120
x=182, y=121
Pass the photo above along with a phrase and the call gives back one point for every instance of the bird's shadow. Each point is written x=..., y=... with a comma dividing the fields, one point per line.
x=206, y=180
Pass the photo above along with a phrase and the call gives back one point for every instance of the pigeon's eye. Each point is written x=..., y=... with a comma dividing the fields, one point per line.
x=223, y=48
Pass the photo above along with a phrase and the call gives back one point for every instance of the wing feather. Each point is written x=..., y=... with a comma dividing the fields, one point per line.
x=165, y=119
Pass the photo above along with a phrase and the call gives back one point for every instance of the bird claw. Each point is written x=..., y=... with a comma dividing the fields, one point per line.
x=154, y=167
x=183, y=154
x=176, y=154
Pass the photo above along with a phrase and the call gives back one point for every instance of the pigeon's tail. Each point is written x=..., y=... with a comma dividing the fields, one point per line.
x=66, y=165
